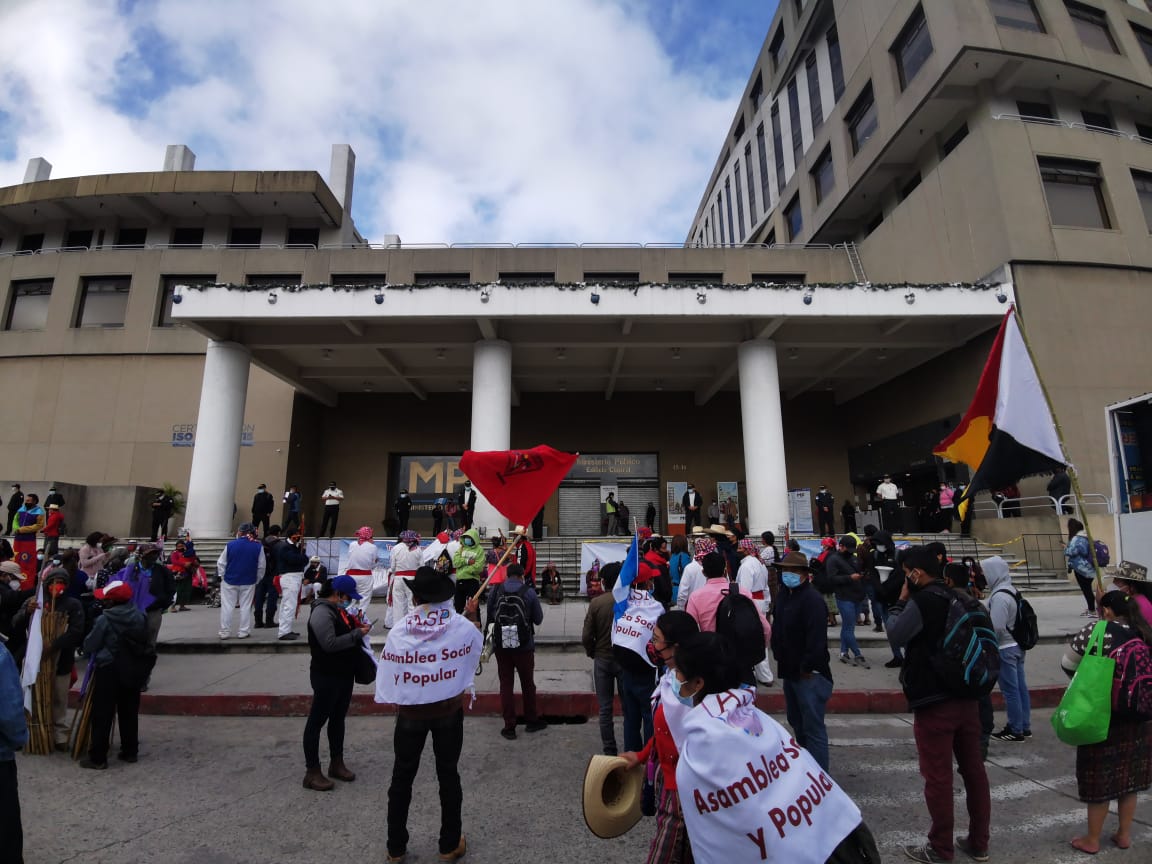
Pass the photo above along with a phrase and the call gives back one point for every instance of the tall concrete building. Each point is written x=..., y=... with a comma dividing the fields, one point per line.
x=889, y=184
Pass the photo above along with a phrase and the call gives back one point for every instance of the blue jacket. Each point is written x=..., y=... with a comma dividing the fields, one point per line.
x=13, y=728
x=242, y=562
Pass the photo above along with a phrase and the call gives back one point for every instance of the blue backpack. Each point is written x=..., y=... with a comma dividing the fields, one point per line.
x=967, y=661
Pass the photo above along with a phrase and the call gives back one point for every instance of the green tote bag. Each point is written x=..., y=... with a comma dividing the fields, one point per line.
x=1085, y=711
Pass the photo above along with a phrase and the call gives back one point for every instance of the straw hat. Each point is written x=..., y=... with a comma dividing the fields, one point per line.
x=611, y=796
x=719, y=531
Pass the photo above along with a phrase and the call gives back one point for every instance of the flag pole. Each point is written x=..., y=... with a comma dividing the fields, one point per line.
x=1072, y=472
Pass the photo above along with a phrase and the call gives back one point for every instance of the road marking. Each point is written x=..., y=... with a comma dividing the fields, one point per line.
x=871, y=742
x=858, y=722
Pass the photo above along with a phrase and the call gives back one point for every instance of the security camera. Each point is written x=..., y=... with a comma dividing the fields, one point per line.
x=807, y=299
x=379, y=298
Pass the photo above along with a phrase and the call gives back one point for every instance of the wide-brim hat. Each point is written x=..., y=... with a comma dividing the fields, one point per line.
x=11, y=568
x=519, y=530
x=431, y=586
x=1131, y=572
x=612, y=796
x=794, y=561
x=698, y=530
x=718, y=531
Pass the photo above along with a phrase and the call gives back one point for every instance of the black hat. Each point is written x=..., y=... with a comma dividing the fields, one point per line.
x=431, y=586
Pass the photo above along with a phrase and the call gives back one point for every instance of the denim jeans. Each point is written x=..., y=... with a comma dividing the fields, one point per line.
x=331, y=697
x=606, y=678
x=1015, y=689
x=804, y=701
x=848, y=610
x=636, y=699
x=877, y=606
x=408, y=744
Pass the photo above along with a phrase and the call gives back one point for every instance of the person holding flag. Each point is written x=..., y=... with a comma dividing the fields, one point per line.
x=634, y=612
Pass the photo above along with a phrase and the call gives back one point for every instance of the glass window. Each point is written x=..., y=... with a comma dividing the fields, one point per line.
x=131, y=238
x=824, y=175
x=309, y=237
x=720, y=221
x=751, y=184
x=728, y=203
x=525, y=278
x=778, y=147
x=1099, y=119
x=443, y=278
x=739, y=133
x=780, y=278
x=1144, y=130
x=776, y=49
x=814, y=103
x=168, y=288
x=757, y=94
x=770, y=240
x=78, y=239
x=28, y=305
x=862, y=121
x=909, y=187
x=272, y=280
x=191, y=237
x=349, y=280
x=765, y=187
x=1144, y=37
x=739, y=200
x=836, y=64
x=696, y=278
x=1036, y=110
x=794, y=219
x=1092, y=25
x=103, y=301
x=707, y=231
x=1075, y=193
x=1143, y=181
x=794, y=117
x=31, y=242
x=600, y=278
x=244, y=238
x=1018, y=14
x=954, y=139
x=715, y=226
x=912, y=47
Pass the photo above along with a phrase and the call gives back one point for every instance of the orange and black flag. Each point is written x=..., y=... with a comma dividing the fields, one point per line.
x=1007, y=432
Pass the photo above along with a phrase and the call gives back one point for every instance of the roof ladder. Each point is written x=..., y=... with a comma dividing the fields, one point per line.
x=857, y=264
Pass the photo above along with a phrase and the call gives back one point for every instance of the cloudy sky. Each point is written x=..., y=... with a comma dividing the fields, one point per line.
x=472, y=120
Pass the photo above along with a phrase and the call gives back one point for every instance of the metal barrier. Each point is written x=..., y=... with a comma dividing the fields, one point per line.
x=1066, y=506
x=1072, y=124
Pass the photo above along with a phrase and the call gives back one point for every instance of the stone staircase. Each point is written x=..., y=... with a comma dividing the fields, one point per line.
x=1024, y=577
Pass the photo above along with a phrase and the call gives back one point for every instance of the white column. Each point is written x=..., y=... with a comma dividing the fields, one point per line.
x=216, y=455
x=764, y=468
x=491, y=415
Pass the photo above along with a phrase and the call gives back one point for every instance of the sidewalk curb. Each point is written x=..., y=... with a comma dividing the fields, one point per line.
x=551, y=705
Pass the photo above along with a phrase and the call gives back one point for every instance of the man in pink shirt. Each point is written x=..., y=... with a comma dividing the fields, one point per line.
x=704, y=600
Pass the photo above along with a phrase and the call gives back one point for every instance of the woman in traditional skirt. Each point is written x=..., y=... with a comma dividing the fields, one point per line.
x=1120, y=766
x=670, y=845
x=551, y=583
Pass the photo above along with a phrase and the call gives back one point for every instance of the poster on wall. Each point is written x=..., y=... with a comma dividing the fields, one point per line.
x=674, y=505
x=728, y=500
x=601, y=554
x=800, y=511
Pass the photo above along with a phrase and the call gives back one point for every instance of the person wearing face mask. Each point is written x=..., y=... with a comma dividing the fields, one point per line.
x=12, y=597
x=15, y=500
x=332, y=497
x=291, y=561
x=241, y=565
x=63, y=647
x=335, y=639
x=163, y=505
x=690, y=504
x=466, y=505
x=671, y=840
x=29, y=521
x=470, y=566
x=800, y=646
x=825, y=512
x=153, y=586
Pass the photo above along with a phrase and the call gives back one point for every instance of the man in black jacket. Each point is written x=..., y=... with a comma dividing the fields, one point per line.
x=161, y=585
x=825, y=512
x=800, y=646
x=944, y=723
x=842, y=571
x=14, y=504
x=162, y=508
x=691, y=503
x=262, y=506
x=403, y=507
x=267, y=598
x=1058, y=487
x=466, y=501
x=63, y=647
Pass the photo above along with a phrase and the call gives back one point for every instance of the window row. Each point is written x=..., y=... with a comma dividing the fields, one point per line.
x=102, y=302
x=1100, y=118
x=1074, y=190
x=239, y=237
x=1091, y=23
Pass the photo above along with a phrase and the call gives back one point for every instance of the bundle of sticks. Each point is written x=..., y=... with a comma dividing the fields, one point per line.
x=82, y=722
x=40, y=732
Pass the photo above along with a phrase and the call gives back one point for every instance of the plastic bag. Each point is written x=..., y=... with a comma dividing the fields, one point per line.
x=1085, y=711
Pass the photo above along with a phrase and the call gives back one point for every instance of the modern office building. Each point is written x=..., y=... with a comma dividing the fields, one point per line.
x=825, y=321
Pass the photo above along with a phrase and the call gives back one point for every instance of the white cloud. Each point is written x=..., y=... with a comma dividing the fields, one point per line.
x=472, y=121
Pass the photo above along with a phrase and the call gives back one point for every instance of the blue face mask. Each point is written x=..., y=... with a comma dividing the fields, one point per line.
x=345, y=604
x=791, y=580
x=686, y=701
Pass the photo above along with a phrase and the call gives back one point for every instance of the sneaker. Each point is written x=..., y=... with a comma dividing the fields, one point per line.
x=843, y=658
x=972, y=852
x=538, y=726
x=925, y=854
x=894, y=663
x=458, y=852
x=1006, y=734
x=510, y=734
x=288, y=637
x=1027, y=733
x=860, y=661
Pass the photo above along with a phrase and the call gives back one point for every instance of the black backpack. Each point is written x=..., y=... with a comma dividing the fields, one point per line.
x=134, y=660
x=967, y=659
x=1025, y=629
x=513, y=627
x=738, y=619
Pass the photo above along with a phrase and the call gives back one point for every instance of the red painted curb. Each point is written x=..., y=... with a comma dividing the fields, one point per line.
x=570, y=704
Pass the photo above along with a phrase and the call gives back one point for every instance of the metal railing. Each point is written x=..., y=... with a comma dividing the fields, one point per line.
x=1043, y=553
x=1065, y=506
x=1072, y=124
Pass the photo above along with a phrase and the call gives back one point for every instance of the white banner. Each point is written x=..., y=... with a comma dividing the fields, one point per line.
x=34, y=651
x=430, y=656
x=633, y=629
x=749, y=792
x=590, y=553
x=800, y=511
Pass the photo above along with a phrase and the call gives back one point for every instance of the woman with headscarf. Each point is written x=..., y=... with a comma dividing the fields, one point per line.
x=670, y=845
x=362, y=557
x=1120, y=766
x=406, y=556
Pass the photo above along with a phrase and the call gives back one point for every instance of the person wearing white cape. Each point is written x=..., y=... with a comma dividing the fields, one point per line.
x=749, y=792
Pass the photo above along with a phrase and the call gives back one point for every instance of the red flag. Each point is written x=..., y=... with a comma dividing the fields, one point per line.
x=517, y=482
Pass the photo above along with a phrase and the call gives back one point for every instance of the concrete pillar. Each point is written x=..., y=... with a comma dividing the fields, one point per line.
x=765, y=471
x=179, y=157
x=491, y=414
x=216, y=455
x=38, y=169
x=341, y=180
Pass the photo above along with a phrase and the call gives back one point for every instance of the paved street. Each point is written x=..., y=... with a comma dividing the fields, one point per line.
x=227, y=790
